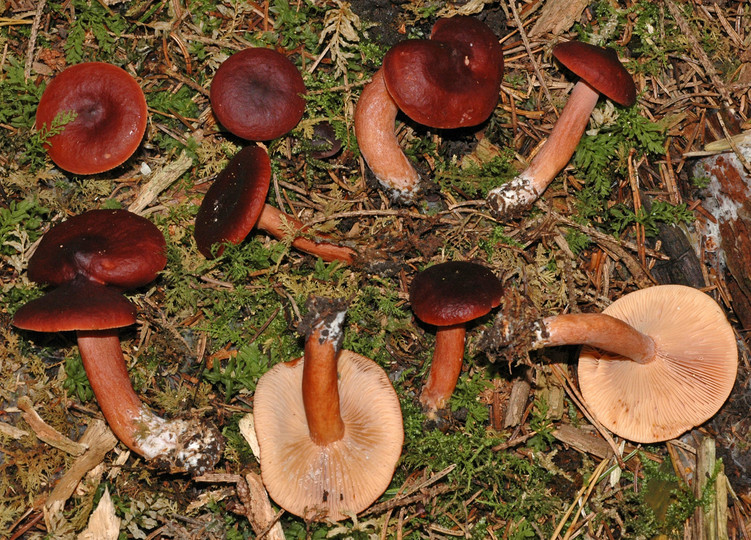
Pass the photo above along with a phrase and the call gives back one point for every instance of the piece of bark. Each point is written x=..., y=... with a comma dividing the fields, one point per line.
x=517, y=403
x=557, y=16
x=259, y=511
x=710, y=521
x=590, y=442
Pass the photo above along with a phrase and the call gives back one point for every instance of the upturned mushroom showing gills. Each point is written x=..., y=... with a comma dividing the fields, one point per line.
x=107, y=120
x=657, y=362
x=449, y=295
x=257, y=94
x=599, y=72
x=236, y=202
x=329, y=425
x=90, y=259
x=451, y=80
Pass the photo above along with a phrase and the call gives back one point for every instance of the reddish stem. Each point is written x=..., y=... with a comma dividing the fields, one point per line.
x=524, y=190
x=600, y=331
x=375, y=116
x=445, y=368
x=104, y=363
x=272, y=220
x=320, y=387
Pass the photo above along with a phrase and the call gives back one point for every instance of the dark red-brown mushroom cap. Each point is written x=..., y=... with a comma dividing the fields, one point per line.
x=454, y=292
x=600, y=68
x=451, y=80
x=234, y=201
x=112, y=247
x=110, y=117
x=257, y=94
x=80, y=304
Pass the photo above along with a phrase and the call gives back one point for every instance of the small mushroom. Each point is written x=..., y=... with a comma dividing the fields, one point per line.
x=449, y=295
x=657, y=362
x=257, y=94
x=90, y=259
x=236, y=202
x=329, y=425
x=109, y=121
x=449, y=81
x=600, y=72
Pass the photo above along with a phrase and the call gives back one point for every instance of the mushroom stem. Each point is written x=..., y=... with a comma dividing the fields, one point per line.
x=446, y=367
x=104, y=363
x=525, y=188
x=277, y=223
x=320, y=383
x=597, y=330
x=180, y=445
x=374, y=127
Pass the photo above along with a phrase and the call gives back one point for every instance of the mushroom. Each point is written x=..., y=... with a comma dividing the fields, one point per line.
x=109, y=120
x=257, y=94
x=329, y=425
x=657, y=362
x=449, y=81
x=236, y=202
x=90, y=259
x=599, y=72
x=448, y=295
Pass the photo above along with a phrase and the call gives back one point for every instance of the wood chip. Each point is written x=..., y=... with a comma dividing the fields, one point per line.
x=103, y=523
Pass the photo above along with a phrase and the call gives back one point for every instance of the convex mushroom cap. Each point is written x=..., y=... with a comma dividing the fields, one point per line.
x=451, y=80
x=113, y=247
x=600, y=72
x=257, y=94
x=448, y=295
x=670, y=364
x=110, y=116
x=329, y=427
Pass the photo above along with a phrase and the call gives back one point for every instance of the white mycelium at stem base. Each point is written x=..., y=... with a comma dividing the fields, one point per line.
x=657, y=362
x=519, y=193
x=178, y=444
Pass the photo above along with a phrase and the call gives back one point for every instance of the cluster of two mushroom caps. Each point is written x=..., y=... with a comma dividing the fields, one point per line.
x=655, y=363
x=89, y=260
x=452, y=80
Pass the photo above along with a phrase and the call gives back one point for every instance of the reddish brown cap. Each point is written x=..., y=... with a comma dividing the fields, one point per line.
x=451, y=80
x=600, y=68
x=454, y=292
x=110, y=119
x=257, y=94
x=113, y=247
x=234, y=201
x=346, y=476
x=686, y=383
x=80, y=304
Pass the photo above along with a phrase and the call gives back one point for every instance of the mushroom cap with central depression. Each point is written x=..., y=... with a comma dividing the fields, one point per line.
x=346, y=476
x=110, y=117
x=690, y=377
x=257, y=94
